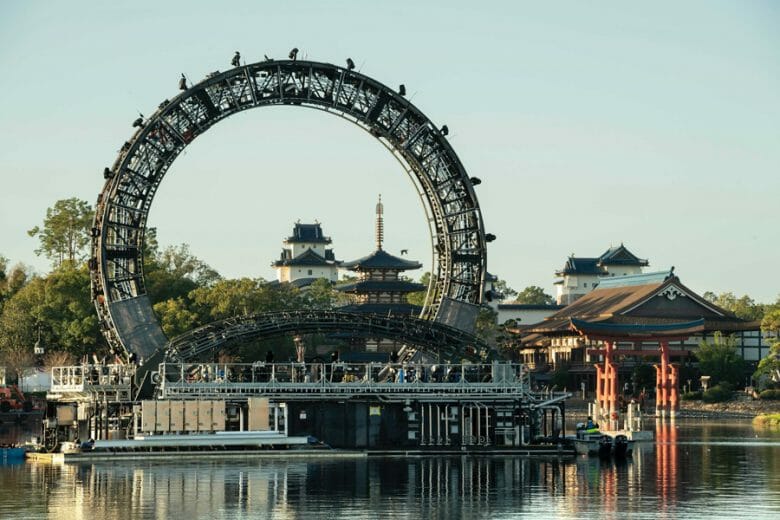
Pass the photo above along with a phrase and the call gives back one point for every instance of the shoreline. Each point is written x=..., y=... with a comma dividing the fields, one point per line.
x=738, y=407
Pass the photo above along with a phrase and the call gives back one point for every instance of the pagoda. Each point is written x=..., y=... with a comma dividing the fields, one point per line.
x=305, y=257
x=379, y=288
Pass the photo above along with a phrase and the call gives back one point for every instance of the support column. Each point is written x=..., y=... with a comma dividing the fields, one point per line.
x=610, y=382
x=599, y=386
x=662, y=389
x=674, y=390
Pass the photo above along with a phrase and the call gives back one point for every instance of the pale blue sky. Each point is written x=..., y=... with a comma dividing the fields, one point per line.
x=657, y=125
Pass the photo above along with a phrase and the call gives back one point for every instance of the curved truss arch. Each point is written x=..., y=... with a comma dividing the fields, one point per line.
x=455, y=219
x=447, y=342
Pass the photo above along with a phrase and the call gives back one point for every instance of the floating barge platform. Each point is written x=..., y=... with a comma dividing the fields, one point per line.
x=374, y=407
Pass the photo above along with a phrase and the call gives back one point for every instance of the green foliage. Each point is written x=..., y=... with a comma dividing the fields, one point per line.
x=771, y=321
x=770, y=395
x=502, y=287
x=12, y=279
x=174, y=272
x=692, y=396
x=720, y=360
x=58, y=308
x=175, y=317
x=643, y=376
x=486, y=327
x=319, y=295
x=718, y=393
x=418, y=298
x=534, y=295
x=65, y=232
x=768, y=371
x=744, y=307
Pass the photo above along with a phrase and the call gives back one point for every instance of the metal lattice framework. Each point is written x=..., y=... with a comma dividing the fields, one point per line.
x=447, y=342
x=447, y=193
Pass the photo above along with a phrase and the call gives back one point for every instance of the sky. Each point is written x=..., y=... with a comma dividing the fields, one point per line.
x=656, y=125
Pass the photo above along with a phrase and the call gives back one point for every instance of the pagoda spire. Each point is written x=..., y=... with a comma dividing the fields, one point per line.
x=380, y=227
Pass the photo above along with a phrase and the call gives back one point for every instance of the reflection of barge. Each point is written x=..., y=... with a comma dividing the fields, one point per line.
x=374, y=406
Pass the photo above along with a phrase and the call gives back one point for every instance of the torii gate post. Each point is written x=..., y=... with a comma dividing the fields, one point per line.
x=667, y=377
x=607, y=383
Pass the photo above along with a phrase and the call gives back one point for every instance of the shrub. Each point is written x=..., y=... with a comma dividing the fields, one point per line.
x=770, y=395
x=718, y=393
x=692, y=396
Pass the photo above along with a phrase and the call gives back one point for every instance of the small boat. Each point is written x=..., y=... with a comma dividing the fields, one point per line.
x=622, y=446
x=593, y=443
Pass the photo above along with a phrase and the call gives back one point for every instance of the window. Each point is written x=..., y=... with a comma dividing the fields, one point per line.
x=309, y=272
x=585, y=284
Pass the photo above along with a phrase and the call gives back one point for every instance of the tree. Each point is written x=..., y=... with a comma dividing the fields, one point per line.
x=11, y=280
x=174, y=272
x=65, y=233
x=486, y=327
x=57, y=310
x=175, y=317
x=227, y=298
x=57, y=358
x=768, y=371
x=418, y=298
x=720, y=360
x=500, y=286
x=744, y=307
x=534, y=295
x=319, y=295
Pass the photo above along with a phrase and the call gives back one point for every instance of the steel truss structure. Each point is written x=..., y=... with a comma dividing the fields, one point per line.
x=446, y=191
x=447, y=342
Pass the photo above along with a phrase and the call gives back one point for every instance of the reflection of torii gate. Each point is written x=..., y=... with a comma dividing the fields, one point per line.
x=667, y=375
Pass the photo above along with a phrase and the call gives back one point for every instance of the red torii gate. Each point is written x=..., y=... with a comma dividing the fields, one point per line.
x=667, y=375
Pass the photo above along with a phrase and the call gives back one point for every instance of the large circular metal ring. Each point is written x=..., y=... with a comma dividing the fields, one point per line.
x=447, y=193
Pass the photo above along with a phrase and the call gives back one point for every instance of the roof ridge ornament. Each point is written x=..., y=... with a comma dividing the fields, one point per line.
x=672, y=293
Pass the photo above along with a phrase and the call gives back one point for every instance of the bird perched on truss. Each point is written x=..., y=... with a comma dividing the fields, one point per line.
x=404, y=251
x=236, y=61
x=183, y=83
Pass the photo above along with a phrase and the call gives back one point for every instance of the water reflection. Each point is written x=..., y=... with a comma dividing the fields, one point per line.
x=690, y=469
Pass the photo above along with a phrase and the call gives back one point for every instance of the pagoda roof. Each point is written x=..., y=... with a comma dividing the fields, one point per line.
x=308, y=233
x=389, y=286
x=381, y=259
x=657, y=302
x=307, y=258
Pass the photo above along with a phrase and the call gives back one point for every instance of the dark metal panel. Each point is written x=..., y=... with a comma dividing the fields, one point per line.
x=458, y=314
x=141, y=333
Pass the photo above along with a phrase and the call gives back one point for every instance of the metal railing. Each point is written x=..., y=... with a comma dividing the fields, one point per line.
x=89, y=377
x=305, y=380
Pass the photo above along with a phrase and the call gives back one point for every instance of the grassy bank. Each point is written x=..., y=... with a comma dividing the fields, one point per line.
x=770, y=420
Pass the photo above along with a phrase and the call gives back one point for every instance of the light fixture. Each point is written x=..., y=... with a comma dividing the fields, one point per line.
x=182, y=83
x=476, y=181
x=402, y=89
x=236, y=61
x=489, y=237
x=293, y=54
x=350, y=64
x=445, y=130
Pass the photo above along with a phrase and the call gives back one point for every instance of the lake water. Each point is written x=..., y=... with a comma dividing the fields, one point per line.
x=694, y=469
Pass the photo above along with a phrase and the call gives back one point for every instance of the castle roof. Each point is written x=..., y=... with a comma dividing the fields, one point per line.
x=308, y=258
x=619, y=255
x=308, y=233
